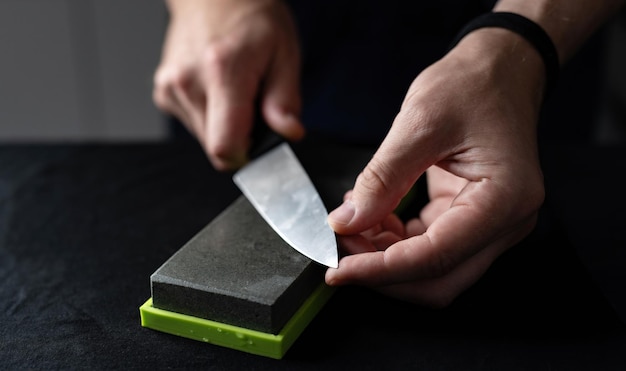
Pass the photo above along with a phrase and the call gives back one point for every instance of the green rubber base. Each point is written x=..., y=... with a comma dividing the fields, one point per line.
x=251, y=341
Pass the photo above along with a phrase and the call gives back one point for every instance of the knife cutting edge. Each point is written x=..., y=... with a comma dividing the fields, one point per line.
x=279, y=188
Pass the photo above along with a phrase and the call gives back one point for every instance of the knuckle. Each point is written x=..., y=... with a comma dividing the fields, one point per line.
x=161, y=99
x=172, y=76
x=377, y=178
x=165, y=81
x=217, y=57
x=420, y=119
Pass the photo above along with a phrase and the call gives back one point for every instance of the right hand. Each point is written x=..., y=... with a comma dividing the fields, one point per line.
x=221, y=58
x=468, y=122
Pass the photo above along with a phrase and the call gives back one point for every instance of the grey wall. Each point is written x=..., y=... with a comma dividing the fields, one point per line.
x=79, y=69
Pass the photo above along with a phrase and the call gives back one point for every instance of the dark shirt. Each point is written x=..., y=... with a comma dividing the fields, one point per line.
x=359, y=59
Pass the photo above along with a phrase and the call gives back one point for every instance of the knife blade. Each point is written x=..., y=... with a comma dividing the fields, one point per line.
x=281, y=191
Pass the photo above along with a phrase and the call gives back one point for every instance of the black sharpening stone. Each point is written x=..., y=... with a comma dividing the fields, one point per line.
x=237, y=271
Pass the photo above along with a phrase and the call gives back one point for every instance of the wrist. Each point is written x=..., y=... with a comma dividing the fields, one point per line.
x=506, y=59
x=568, y=23
x=530, y=31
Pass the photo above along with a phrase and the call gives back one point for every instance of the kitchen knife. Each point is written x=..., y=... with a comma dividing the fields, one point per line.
x=279, y=188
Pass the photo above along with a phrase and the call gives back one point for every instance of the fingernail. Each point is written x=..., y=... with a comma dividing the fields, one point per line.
x=343, y=214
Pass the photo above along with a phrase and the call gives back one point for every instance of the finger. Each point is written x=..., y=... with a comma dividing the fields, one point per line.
x=193, y=112
x=165, y=99
x=384, y=239
x=391, y=223
x=347, y=195
x=401, y=159
x=443, y=188
x=415, y=227
x=372, y=231
x=419, y=257
x=355, y=244
x=173, y=108
x=231, y=93
x=281, y=103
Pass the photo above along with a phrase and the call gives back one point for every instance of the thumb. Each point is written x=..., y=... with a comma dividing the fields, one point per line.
x=381, y=185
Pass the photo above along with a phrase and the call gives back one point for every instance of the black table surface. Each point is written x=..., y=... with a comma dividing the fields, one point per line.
x=82, y=227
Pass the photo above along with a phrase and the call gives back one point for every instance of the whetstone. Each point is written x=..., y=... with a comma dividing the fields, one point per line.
x=237, y=283
x=236, y=271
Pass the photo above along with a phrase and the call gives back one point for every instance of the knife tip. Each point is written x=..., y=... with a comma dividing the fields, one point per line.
x=331, y=263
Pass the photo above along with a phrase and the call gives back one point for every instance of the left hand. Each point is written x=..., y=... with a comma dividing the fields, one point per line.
x=468, y=122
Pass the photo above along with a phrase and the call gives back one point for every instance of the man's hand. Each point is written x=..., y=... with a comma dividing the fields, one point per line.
x=469, y=123
x=222, y=57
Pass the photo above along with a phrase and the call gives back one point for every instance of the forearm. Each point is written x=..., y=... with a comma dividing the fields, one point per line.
x=568, y=22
